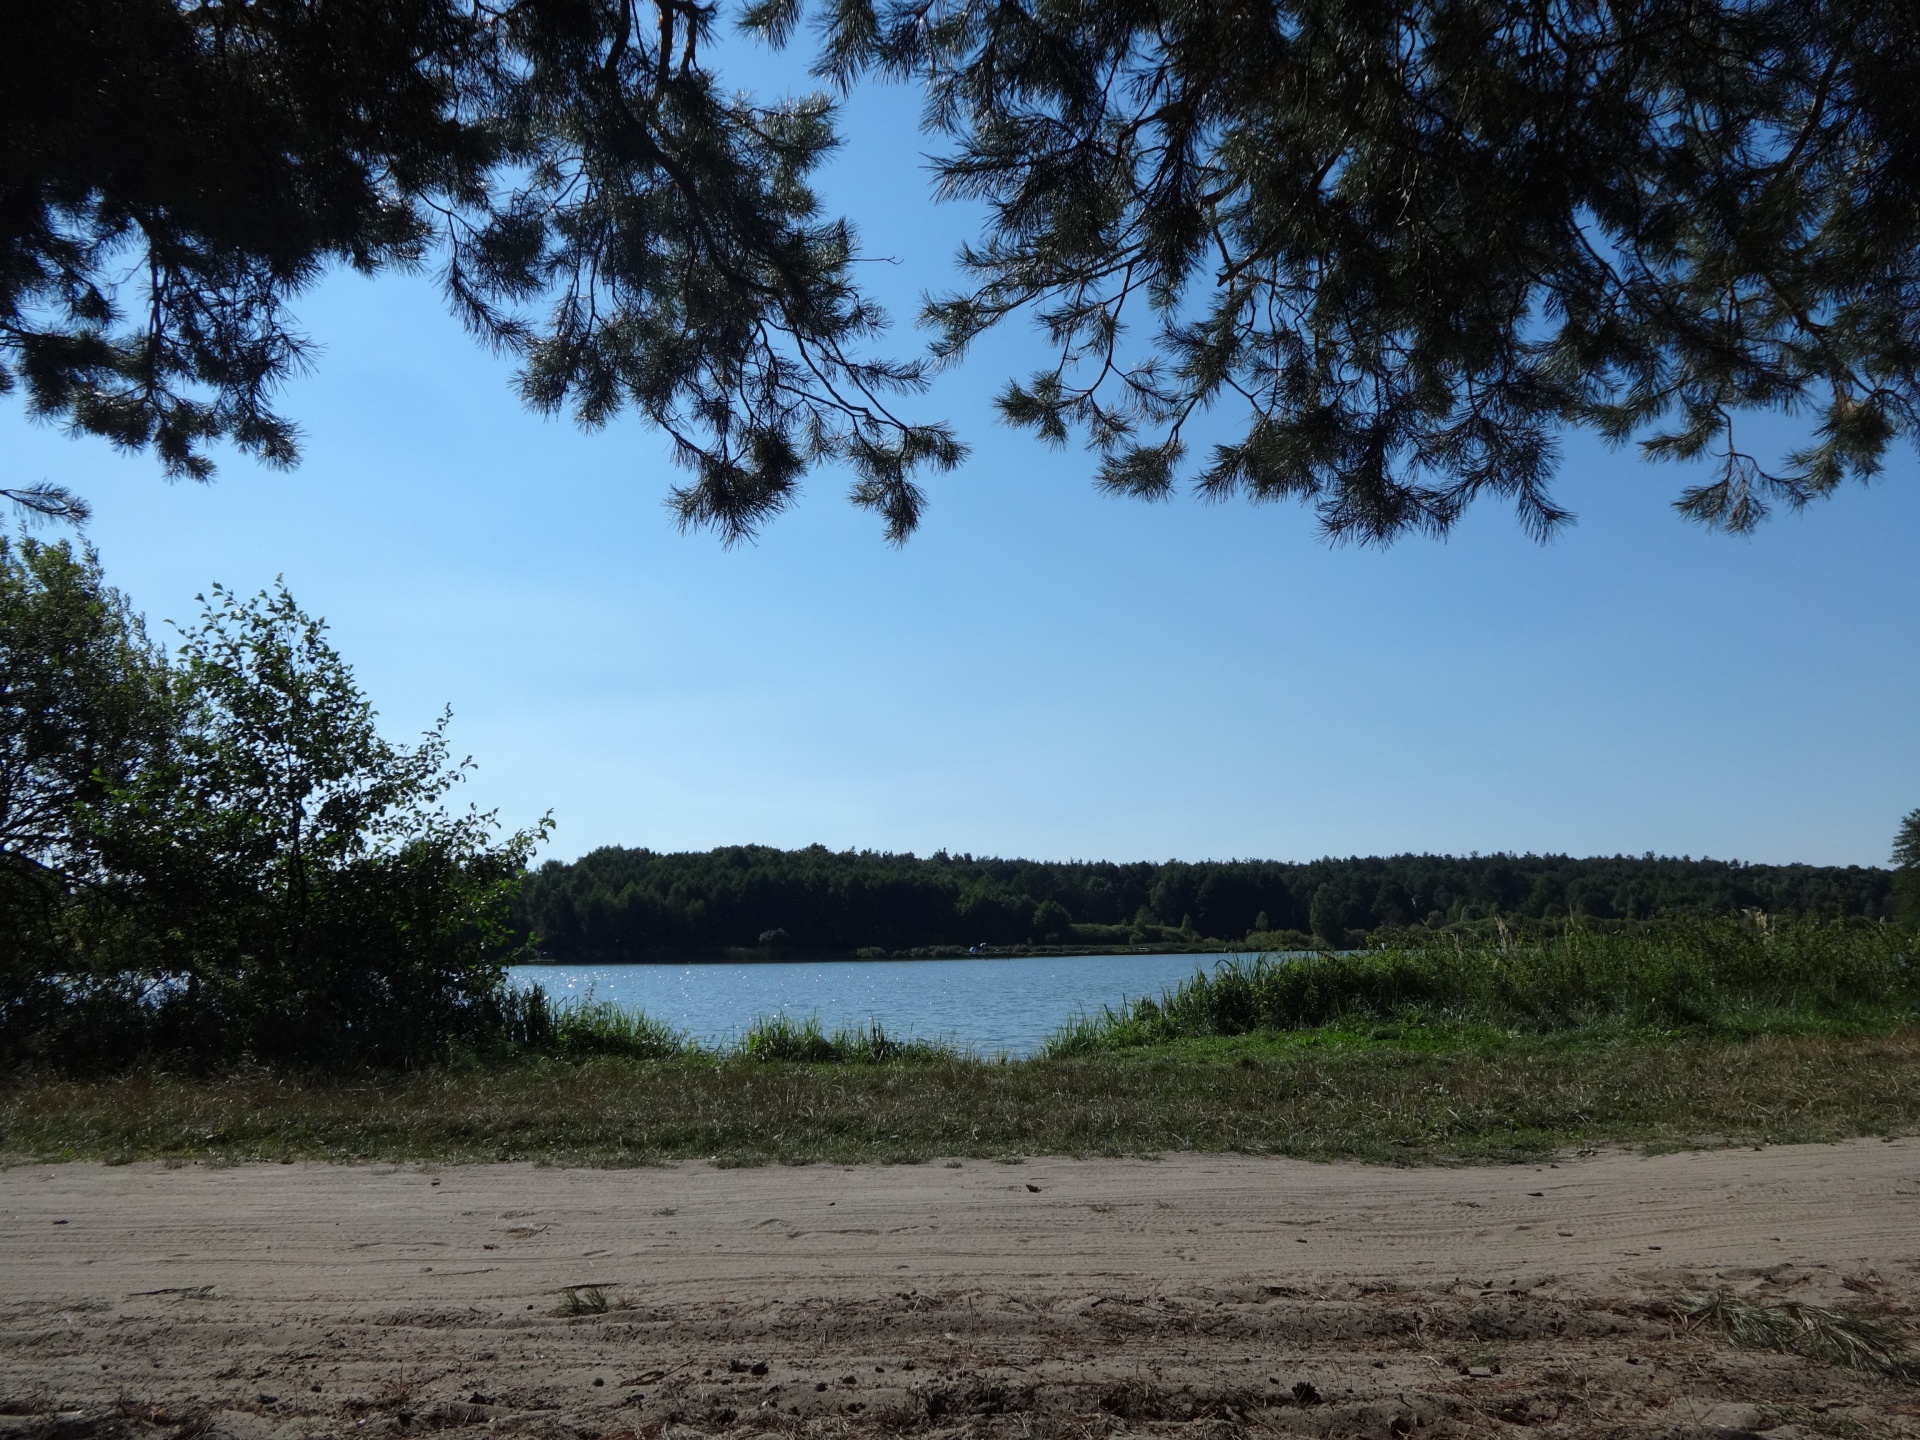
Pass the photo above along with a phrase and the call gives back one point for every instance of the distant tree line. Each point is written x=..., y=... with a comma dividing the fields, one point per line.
x=625, y=903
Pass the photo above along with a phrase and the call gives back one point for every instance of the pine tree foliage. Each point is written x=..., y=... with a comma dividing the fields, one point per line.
x=1404, y=242
x=598, y=205
x=1373, y=255
x=1906, y=843
x=1906, y=877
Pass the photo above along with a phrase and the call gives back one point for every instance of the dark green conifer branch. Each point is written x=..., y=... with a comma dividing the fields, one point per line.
x=1395, y=247
x=1399, y=246
x=179, y=173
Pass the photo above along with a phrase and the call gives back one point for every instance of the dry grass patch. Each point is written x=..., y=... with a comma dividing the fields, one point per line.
x=1835, y=1337
x=588, y=1300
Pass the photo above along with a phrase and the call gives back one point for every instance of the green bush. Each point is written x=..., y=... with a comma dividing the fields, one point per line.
x=226, y=860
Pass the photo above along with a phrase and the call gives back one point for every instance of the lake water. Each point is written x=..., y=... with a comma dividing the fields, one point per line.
x=989, y=1006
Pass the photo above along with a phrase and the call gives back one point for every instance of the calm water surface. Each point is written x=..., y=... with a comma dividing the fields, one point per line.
x=989, y=1006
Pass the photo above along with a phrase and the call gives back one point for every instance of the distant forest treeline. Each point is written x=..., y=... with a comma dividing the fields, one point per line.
x=616, y=902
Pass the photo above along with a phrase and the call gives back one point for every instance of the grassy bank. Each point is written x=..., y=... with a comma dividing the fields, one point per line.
x=1724, y=978
x=1321, y=1094
x=1705, y=1034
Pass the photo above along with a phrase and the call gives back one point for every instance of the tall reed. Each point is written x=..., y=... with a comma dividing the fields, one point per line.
x=585, y=1029
x=778, y=1038
x=1733, y=973
x=536, y=1024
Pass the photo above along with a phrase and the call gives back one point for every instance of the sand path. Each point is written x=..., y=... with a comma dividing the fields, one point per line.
x=1196, y=1291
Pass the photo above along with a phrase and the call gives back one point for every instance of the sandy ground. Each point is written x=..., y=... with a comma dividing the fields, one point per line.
x=1198, y=1296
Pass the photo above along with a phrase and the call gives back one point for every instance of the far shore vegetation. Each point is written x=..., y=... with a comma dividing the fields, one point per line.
x=238, y=923
x=747, y=902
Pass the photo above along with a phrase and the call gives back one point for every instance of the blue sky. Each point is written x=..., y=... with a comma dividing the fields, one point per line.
x=1042, y=670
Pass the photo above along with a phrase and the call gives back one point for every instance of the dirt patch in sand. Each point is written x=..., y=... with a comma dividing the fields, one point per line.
x=1199, y=1296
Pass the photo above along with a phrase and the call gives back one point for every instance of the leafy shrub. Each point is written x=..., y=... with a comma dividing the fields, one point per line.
x=227, y=860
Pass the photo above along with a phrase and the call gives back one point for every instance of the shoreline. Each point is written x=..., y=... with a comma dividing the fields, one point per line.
x=754, y=956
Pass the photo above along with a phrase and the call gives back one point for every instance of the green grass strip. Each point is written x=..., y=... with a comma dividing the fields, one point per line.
x=1334, y=1095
